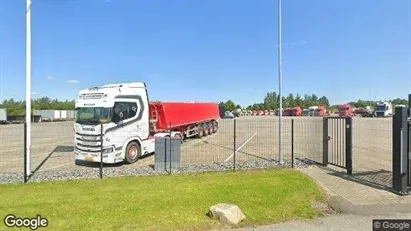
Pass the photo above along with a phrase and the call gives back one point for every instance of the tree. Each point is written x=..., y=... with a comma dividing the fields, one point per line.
x=229, y=105
x=18, y=108
x=324, y=101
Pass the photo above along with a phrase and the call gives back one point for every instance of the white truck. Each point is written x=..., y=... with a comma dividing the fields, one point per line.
x=118, y=121
x=383, y=109
x=3, y=116
x=311, y=110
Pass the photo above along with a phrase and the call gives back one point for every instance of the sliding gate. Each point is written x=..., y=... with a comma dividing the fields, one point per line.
x=337, y=142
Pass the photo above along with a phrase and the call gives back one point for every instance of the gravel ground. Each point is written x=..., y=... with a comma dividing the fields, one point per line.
x=6, y=178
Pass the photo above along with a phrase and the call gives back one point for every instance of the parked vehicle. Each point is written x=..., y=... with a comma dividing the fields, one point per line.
x=311, y=110
x=320, y=111
x=364, y=112
x=345, y=110
x=383, y=109
x=295, y=111
x=3, y=116
x=130, y=123
x=229, y=115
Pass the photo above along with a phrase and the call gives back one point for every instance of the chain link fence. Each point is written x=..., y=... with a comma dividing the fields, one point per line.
x=243, y=143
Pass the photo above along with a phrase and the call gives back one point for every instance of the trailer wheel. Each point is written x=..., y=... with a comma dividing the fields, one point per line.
x=200, y=132
x=133, y=152
x=210, y=128
x=205, y=129
x=215, y=127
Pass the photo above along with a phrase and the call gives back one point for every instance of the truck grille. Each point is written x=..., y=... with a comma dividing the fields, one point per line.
x=380, y=114
x=88, y=143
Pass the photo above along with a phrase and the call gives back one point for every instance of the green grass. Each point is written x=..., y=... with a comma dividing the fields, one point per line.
x=174, y=202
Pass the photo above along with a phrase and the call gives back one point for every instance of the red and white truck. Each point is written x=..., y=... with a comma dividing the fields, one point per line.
x=130, y=122
x=293, y=111
x=346, y=110
x=320, y=111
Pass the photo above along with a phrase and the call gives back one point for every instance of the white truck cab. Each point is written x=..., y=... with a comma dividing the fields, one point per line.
x=122, y=112
x=383, y=109
x=311, y=110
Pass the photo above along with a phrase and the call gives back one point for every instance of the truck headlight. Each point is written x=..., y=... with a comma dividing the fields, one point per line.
x=107, y=150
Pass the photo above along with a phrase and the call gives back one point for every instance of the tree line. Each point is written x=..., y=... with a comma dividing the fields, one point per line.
x=18, y=108
x=271, y=101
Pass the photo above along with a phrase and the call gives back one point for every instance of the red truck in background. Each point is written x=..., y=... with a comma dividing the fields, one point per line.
x=286, y=112
x=320, y=111
x=296, y=111
x=345, y=110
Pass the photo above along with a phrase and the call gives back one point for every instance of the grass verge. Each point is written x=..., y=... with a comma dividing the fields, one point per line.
x=175, y=202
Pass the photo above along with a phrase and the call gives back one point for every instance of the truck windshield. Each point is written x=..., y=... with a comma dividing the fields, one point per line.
x=381, y=108
x=93, y=115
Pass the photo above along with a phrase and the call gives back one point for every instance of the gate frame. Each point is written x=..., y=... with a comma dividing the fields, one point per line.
x=400, y=150
x=347, y=140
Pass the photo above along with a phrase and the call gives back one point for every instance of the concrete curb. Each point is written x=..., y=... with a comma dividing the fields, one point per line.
x=342, y=205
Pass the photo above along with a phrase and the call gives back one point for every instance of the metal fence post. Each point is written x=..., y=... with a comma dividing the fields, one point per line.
x=169, y=147
x=292, y=143
x=25, y=152
x=348, y=144
x=101, y=151
x=235, y=142
x=325, y=141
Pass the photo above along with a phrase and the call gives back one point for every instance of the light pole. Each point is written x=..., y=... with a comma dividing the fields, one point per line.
x=280, y=114
x=28, y=84
x=1, y=74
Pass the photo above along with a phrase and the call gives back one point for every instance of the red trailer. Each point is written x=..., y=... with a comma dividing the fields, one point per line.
x=190, y=119
x=287, y=112
x=296, y=111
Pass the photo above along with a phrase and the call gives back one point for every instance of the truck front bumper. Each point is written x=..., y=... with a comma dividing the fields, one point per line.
x=109, y=158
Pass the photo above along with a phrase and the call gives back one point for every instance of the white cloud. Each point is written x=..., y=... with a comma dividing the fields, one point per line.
x=34, y=93
x=49, y=78
x=72, y=81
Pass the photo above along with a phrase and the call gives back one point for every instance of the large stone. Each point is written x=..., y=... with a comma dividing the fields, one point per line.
x=227, y=214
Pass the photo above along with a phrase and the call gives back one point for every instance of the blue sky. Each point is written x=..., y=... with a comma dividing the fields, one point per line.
x=210, y=50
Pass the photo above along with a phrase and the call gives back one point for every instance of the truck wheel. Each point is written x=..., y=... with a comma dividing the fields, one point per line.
x=215, y=127
x=133, y=152
x=210, y=128
x=205, y=129
x=200, y=132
